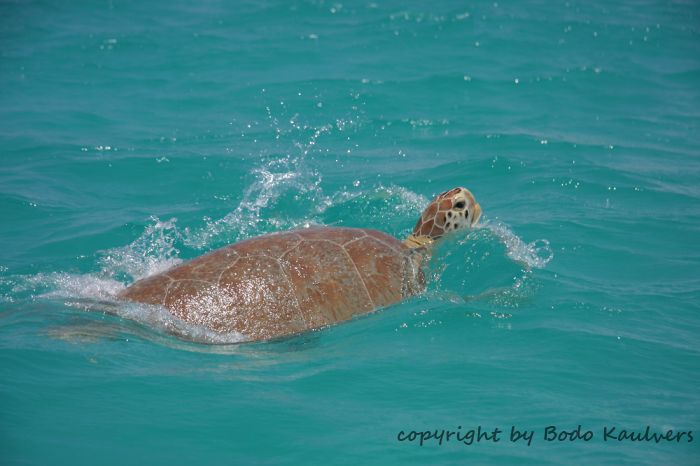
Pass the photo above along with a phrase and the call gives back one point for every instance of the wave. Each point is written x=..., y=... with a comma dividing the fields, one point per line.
x=276, y=185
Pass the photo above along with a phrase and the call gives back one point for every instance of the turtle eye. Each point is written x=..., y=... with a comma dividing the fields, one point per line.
x=460, y=205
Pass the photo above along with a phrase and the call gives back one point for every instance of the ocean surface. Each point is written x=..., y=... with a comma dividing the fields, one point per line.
x=138, y=134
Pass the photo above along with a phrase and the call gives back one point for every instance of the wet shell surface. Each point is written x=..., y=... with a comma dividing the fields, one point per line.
x=285, y=283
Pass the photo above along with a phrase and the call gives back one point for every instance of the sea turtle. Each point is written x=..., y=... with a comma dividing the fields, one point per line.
x=285, y=283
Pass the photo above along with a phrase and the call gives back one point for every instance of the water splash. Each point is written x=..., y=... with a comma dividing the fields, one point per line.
x=490, y=267
x=276, y=180
x=536, y=254
x=275, y=183
x=408, y=200
x=394, y=197
x=67, y=285
x=152, y=252
x=272, y=181
x=392, y=209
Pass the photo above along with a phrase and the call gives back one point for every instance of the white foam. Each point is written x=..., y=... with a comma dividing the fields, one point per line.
x=159, y=318
x=66, y=285
x=89, y=292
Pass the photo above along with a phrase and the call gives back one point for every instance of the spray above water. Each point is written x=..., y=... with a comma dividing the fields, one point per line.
x=491, y=268
x=151, y=253
x=273, y=181
x=536, y=254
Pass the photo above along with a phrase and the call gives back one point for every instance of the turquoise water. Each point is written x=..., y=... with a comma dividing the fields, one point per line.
x=134, y=135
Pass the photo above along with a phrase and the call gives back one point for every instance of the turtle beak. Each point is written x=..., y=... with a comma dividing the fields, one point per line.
x=476, y=214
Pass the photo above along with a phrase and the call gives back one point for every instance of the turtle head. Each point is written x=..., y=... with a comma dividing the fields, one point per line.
x=452, y=210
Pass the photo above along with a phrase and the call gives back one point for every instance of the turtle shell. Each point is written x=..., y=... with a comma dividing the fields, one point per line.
x=284, y=283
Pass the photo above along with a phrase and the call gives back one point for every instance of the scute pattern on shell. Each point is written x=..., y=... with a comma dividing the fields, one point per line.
x=285, y=283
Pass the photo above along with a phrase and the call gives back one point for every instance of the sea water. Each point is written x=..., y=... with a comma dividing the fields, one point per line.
x=136, y=135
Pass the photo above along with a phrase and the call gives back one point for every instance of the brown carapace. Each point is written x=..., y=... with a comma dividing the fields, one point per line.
x=286, y=283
